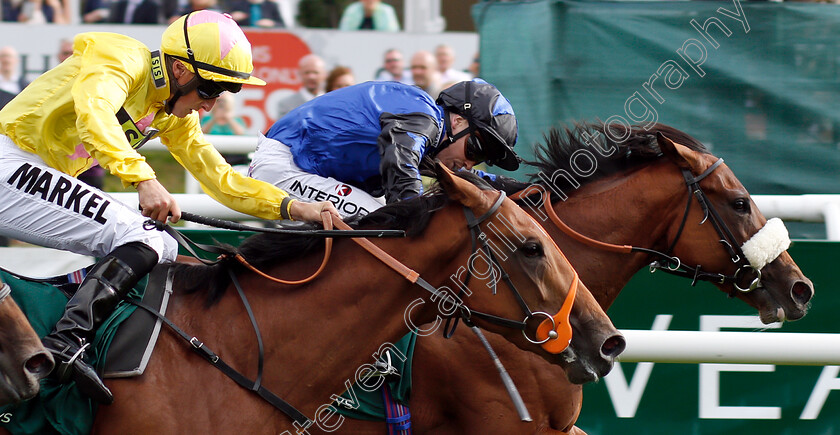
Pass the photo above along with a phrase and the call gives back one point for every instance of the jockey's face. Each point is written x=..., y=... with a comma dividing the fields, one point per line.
x=453, y=156
x=190, y=101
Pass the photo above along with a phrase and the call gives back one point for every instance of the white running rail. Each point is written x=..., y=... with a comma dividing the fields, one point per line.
x=803, y=208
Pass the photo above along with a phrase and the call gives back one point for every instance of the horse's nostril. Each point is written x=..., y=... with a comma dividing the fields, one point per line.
x=801, y=292
x=39, y=365
x=613, y=346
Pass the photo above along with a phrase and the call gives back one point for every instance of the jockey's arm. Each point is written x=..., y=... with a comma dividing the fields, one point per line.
x=231, y=188
x=403, y=140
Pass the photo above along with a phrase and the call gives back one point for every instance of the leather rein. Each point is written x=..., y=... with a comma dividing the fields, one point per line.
x=547, y=328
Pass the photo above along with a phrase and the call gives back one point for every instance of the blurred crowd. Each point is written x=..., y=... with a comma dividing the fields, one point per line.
x=431, y=71
x=355, y=15
x=248, y=13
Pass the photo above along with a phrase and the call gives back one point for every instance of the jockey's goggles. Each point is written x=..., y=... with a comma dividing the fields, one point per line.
x=208, y=89
x=473, y=150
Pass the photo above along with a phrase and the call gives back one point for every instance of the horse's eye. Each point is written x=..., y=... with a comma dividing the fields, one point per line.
x=532, y=249
x=741, y=205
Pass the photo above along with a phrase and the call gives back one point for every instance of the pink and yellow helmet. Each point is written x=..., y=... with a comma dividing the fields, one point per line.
x=212, y=45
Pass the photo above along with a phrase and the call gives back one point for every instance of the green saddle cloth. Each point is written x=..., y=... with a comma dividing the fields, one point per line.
x=371, y=406
x=58, y=408
x=62, y=409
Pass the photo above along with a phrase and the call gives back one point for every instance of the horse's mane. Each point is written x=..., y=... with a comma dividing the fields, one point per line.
x=264, y=250
x=638, y=149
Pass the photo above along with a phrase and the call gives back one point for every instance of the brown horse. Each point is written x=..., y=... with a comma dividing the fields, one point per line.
x=23, y=360
x=636, y=197
x=321, y=335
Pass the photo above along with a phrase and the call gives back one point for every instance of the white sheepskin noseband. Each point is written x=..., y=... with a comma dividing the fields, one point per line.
x=767, y=244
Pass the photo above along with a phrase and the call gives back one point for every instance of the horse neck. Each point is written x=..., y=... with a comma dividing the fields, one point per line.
x=317, y=335
x=635, y=207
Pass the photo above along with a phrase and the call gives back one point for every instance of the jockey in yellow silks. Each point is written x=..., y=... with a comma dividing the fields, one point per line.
x=98, y=106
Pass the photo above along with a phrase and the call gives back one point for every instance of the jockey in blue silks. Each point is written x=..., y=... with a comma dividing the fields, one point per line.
x=358, y=145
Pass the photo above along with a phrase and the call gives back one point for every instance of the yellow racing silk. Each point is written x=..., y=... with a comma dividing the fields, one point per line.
x=68, y=117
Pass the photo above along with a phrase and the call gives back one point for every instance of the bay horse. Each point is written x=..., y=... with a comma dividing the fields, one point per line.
x=318, y=335
x=637, y=196
x=23, y=359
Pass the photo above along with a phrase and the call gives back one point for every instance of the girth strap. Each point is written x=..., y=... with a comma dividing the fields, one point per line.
x=211, y=357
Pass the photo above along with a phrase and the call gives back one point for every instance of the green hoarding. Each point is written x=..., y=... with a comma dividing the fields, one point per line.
x=717, y=398
x=757, y=82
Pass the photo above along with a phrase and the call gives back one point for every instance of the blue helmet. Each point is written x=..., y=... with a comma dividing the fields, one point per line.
x=488, y=112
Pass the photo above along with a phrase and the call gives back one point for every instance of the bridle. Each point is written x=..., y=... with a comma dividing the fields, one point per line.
x=726, y=238
x=666, y=261
x=555, y=329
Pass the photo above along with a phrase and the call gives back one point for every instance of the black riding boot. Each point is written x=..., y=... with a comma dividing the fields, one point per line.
x=98, y=295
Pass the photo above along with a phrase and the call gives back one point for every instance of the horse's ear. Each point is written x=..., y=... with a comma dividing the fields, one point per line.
x=679, y=154
x=457, y=188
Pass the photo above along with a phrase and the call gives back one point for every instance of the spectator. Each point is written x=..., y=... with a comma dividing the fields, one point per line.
x=394, y=69
x=312, y=74
x=95, y=11
x=222, y=118
x=11, y=10
x=475, y=66
x=340, y=77
x=11, y=80
x=43, y=11
x=194, y=6
x=369, y=15
x=134, y=12
x=425, y=73
x=65, y=49
x=260, y=13
x=445, y=57
x=5, y=97
x=169, y=8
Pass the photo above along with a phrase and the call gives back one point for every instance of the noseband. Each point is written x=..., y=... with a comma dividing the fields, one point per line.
x=726, y=238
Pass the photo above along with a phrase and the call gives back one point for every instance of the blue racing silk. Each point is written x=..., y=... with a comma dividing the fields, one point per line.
x=372, y=135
